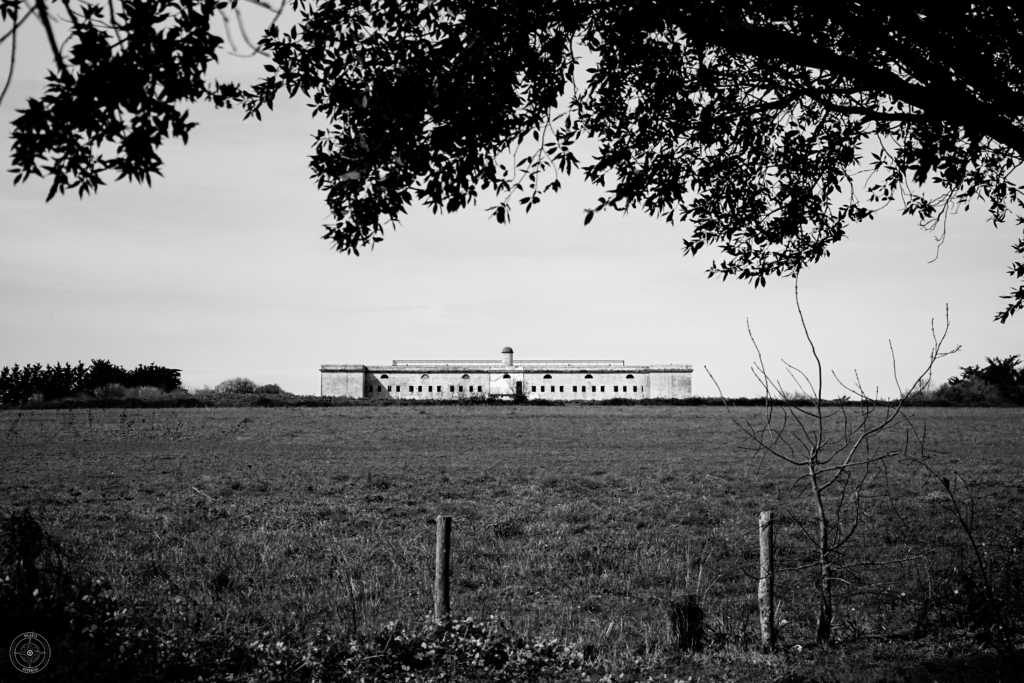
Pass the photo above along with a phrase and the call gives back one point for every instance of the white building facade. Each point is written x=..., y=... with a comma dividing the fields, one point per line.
x=568, y=380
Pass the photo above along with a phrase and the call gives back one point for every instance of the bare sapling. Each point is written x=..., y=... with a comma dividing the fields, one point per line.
x=832, y=448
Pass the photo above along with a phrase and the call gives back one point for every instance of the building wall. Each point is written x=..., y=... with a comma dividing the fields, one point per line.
x=346, y=381
x=503, y=381
x=440, y=383
x=399, y=383
x=671, y=384
x=586, y=386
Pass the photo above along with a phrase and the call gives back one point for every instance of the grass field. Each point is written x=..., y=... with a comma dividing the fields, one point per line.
x=580, y=523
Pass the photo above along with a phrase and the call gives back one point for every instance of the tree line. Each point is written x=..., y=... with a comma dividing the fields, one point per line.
x=999, y=382
x=19, y=384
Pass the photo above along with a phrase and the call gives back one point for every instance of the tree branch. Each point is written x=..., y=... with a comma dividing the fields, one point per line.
x=44, y=18
x=17, y=24
x=14, y=51
x=743, y=38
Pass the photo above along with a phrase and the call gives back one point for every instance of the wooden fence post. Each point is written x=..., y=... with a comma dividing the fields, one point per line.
x=442, y=602
x=766, y=584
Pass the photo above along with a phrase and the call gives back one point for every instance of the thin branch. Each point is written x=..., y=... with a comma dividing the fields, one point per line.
x=245, y=36
x=44, y=19
x=14, y=52
x=113, y=20
x=17, y=24
x=71, y=14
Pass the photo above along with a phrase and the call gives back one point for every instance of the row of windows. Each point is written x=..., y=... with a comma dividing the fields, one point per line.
x=561, y=389
x=584, y=377
x=384, y=376
x=430, y=389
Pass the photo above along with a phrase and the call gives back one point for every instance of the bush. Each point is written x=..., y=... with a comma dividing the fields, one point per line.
x=146, y=392
x=270, y=389
x=237, y=385
x=1000, y=382
x=110, y=391
x=43, y=590
x=970, y=392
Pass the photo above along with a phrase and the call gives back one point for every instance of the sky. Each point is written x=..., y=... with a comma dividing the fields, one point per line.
x=219, y=270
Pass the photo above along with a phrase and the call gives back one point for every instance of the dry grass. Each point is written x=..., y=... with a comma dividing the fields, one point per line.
x=574, y=522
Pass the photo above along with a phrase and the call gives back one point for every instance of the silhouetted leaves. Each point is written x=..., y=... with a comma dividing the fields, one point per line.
x=769, y=128
x=118, y=95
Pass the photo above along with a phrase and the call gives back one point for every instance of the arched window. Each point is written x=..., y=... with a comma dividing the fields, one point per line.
x=384, y=376
x=629, y=376
x=465, y=377
x=424, y=376
x=547, y=376
x=506, y=377
x=589, y=377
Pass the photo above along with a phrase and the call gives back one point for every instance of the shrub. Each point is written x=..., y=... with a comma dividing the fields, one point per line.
x=110, y=391
x=43, y=590
x=1000, y=382
x=970, y=392
x=269, y=389
x=236, y=385
x=462, y=649
x=146, y=392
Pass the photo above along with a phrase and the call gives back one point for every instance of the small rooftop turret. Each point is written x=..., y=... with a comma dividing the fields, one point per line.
x=506, y=355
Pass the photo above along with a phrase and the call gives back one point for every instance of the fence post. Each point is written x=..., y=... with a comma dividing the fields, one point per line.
x=442, y=603
x=766, y=584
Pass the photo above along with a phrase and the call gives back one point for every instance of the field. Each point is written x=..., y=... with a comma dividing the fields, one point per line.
x=580, y=523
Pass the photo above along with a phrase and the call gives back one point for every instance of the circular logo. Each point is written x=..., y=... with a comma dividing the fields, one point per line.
x=30, y=653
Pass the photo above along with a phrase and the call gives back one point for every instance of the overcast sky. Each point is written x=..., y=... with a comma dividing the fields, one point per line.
x=219, y=269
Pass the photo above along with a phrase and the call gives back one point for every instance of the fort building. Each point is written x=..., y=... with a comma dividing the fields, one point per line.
x=557, y=380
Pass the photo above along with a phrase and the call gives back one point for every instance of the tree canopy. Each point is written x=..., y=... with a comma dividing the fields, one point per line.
x=1000, y=381
x=768, y=128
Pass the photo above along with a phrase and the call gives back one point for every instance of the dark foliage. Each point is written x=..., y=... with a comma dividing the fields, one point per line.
x=153, y=375
x=20, y=384
x=103, y=372
x=44, y=589
x=1001, y=376
x=115, y=93
x=749, y=121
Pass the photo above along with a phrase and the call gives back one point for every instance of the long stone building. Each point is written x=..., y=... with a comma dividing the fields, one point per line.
x=558, y=380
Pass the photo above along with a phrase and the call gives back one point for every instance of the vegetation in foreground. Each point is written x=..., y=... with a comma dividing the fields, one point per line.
x=298, y=545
